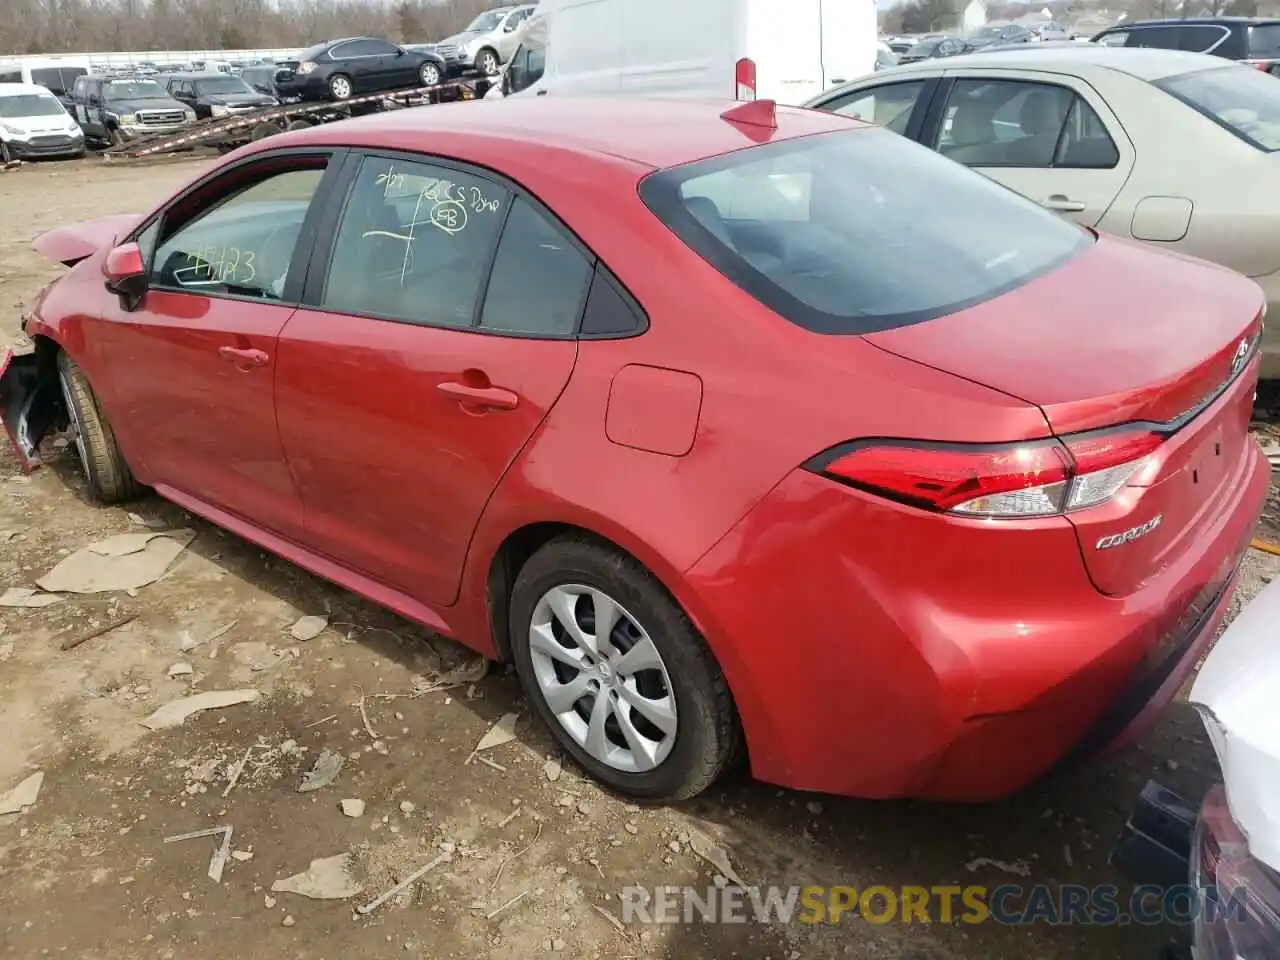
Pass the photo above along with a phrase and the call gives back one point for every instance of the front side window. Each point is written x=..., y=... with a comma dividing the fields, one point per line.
x=1010, y=123
x=243, y=245
x=889, y=106
x=529, y=62
x=859, y=230
x=1116, y=38
x=415, y=243
x=1240, y=99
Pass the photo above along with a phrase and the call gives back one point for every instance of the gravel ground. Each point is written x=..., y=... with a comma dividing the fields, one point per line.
x=535, y=864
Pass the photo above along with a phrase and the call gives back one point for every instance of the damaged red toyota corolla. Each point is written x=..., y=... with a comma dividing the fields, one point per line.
x=743, y=427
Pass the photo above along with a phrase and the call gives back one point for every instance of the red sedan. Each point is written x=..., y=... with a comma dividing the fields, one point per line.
x=736, y=430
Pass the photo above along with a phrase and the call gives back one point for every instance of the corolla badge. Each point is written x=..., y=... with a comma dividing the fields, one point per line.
x=1130, y=535
x=1242, y=354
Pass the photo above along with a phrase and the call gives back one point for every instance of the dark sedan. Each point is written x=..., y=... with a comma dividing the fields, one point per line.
x=341, y=69
x=932, y=49
x=213, y=95
x=994, y=33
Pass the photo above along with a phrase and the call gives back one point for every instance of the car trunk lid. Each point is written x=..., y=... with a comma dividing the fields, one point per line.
x=1117, y=336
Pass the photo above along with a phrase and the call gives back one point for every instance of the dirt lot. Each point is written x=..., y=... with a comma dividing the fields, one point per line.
x=85, y=872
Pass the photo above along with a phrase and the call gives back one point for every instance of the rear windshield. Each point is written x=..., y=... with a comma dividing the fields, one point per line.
x=1241, y=99
x=1264, y=41
x=223, y=84
x=859, y=230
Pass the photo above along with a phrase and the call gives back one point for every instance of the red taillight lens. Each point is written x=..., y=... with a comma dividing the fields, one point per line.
x=745, y=75
x=949, y=477
x=1032, y=479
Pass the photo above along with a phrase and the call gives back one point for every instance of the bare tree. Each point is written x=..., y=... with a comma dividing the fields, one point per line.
x=73, y=26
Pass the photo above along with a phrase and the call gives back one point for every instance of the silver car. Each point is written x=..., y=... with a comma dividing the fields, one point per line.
x=1178, y=150
x=487, y=43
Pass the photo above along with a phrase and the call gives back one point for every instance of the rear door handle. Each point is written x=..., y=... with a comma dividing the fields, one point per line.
x=1064, y=204
x=541, y=93
x=243, y=357
x=490, y=398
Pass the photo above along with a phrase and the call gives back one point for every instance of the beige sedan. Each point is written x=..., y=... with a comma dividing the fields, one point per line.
x=1174, y=149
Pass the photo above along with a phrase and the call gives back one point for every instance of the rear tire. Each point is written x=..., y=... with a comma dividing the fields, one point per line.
x=299, y=125
x=263, y=130
x=109, y=476
x=340, y=87
x=678, y=676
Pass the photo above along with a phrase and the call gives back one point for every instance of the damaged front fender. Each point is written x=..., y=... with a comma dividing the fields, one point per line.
x=30, y=402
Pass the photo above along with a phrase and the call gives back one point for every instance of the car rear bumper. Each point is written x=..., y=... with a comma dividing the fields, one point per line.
x=307, y=87
x=877, y=650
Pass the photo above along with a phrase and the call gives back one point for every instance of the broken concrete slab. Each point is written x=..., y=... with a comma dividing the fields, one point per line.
x=26, y=597
x=326, y=769
x=181, y=670
x=352, y=808
x=308, y=628
x=23, y=795
x=127, y=561
x=504, y=731
x=175, y=712
x=328, y=878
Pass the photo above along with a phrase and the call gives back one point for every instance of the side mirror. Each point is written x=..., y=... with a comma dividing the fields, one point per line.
x=509, y=28
x=125, y=274
x=399, y=52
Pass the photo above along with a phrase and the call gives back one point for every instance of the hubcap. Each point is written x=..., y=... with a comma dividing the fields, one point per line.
x=603, y=678
x=341, y=89
x=489, y=63
x=73, y=421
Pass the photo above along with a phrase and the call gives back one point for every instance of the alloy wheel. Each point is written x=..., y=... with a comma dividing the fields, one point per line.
x=340, y=87
x=430, y=75
x=73, y=421
x=603, y=678
x=488, y=63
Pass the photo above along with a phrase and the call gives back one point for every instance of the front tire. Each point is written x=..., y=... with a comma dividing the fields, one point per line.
x=643, y=707
x=429, y=74
x=487, y=62
x=109, y=476
x=6, y=155
x=340, y=87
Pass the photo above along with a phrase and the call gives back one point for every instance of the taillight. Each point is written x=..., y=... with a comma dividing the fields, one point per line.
x=1032, y=479
x=1263, y=65
x=745, y=75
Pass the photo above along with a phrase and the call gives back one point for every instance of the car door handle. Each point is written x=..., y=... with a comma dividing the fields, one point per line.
x=541, y=93
x=491, y=398
x=1064, y=204
x=243, y=357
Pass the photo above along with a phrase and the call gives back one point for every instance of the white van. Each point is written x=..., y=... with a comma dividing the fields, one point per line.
x=783, y=50
x=55, y=74
x=34, y=123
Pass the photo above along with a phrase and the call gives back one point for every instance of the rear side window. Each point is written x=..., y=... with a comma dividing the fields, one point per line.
x=1264, y=41
x=1159, y=38
x=888, y=106
x=860, y=230
x=1240, y=99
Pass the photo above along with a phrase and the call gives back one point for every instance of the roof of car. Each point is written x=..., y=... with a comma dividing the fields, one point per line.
x=654, y=132
x=196, y=75
x=1142, y=62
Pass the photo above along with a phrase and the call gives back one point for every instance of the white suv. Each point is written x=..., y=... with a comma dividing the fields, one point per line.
x=487, y=43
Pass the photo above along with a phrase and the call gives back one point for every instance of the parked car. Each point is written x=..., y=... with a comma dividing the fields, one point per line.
x=1226, y=846
x=1088, y=131
x=33, y=123
x=341, y=69
x=998, y=33
x=114, y=110
x=1254, y=40
x=1050, y=30
x=948, y=457
x=783, y=51
x=933, y=49
x=262, y=78
x=216, y=94
x=885, y=58
x=487, y=43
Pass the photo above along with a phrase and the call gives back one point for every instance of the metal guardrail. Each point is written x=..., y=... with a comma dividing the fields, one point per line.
x=256, y=124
